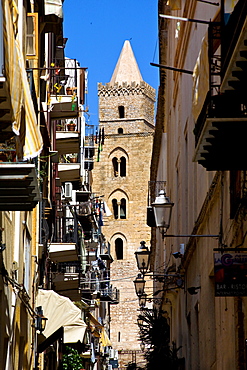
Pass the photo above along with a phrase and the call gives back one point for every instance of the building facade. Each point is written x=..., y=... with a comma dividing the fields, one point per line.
x=198, y=150
x=53, y=265
x=120, y=175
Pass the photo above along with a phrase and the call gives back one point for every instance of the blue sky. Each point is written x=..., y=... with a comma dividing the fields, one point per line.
x=96, y=31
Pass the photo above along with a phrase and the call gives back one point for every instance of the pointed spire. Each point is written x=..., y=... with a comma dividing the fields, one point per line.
x=127, y=69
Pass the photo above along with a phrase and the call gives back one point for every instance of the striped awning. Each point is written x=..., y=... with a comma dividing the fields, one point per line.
x=24, y=117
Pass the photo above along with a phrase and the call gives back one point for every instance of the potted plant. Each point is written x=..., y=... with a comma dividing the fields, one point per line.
x=71, y=126
x=59, y=127
x=7, y=152
x=73, y=157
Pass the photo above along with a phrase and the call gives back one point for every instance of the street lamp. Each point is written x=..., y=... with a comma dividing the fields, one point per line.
x=142, y=300
x=162, y=212
x=40, y=320
x=139, y=283
x=142, y=258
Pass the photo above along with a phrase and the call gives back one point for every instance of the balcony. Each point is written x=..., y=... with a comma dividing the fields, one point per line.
x=221, y=126
x=63, y=252
x=67, y=140
x=65, y=279
x=19, y=189
x=89, y=148
x=67, y=89
x=5, y=111
x=69, y=171
x=53, y=16
x=63, y=106
x=98, y=281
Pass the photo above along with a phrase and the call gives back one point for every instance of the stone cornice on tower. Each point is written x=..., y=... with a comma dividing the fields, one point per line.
x=125, y=88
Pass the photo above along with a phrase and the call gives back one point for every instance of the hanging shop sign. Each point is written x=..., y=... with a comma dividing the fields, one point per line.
x=230, y=272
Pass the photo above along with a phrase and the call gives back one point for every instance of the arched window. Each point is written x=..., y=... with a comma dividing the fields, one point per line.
x=118, y=163
x=119, y=208
x=115, y=166
x=121, y=111
x=122, y=167
x=119, y=248
x=123, y=208
x=120, y=130
x=119, y=167
x=115, y=208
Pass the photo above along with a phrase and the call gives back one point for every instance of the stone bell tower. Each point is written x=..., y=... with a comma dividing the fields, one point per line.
x=126, y=111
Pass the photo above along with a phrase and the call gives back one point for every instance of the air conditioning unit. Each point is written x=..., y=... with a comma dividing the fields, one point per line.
x=68, y=190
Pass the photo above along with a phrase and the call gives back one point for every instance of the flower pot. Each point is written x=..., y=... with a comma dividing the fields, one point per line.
x=3, y=157
x=73, y=160
x=71, y=126
x=69, y=91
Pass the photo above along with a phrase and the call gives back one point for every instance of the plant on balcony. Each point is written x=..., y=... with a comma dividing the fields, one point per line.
x=71, y=126
x=73, y=157
x=59, y=127
x=155, y=334
x=7, y=152
x=72, y=360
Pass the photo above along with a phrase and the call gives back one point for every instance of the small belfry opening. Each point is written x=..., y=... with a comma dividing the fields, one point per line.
x=119, y=248
x=120, y=130
x=121, y=111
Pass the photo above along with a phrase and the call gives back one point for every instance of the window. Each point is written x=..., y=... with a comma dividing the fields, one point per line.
x=119, y=248
x=27, y=262
x=115, y=208
x=32, y=35
x=120, y=130
x=122, y=167
x=121, y=111
x=115, y=166
x=118, y=162
x=119, y=167
x=119, y=208
x=123, y=209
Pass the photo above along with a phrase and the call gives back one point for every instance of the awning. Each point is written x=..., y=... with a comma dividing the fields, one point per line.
x=61, y=312
x=54, y=7
x=104, y=339
x=95, y=322
x=19, y=90
x=200, y=79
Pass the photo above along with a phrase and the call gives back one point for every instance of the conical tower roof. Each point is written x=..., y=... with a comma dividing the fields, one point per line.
x=127, y=69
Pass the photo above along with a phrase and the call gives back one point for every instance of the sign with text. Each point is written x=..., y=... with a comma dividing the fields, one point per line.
x=230, y=272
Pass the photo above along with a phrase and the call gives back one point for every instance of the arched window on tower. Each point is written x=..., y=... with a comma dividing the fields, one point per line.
x=119, y=208
x=123, y=208
x=121, y=111
x=119, y=167
x=115, y=208
x=122, y=167
x=120, y=130
x=119, y=248
x=115, y=166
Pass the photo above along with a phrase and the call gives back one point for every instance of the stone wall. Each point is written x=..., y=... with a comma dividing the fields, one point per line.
x=134, y=143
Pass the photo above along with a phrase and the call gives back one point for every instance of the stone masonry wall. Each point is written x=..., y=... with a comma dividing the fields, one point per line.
x=135, y=145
